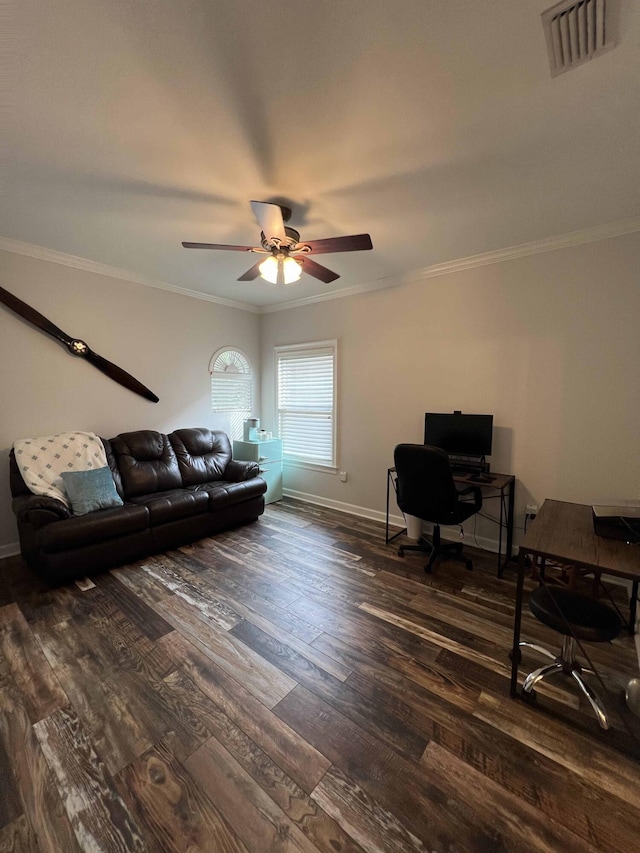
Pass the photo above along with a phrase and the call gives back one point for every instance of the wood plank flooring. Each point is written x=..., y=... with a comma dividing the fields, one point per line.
x=294, y=685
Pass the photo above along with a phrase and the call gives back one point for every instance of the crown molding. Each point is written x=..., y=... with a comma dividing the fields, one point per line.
x=8, y=244
x=535, y=247
x=378, y=284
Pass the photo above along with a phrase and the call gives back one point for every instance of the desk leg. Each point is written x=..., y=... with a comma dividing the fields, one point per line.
x=632, y=607
x=509, y=525
x=510, y=512
x=391, y=482
x=386, y=534
x=517, y=619
x=501, y=565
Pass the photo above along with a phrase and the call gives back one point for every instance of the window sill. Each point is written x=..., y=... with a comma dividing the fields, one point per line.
x=311, y=466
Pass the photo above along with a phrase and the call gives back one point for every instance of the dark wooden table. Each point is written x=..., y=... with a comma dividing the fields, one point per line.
x=564, y=532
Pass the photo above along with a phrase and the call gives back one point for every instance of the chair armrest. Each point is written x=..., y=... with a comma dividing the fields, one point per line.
x=237, y=471
x=38, y=510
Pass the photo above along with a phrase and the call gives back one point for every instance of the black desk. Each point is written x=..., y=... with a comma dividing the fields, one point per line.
x=503, y=487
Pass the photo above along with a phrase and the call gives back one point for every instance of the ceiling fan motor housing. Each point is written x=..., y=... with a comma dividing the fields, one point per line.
x=291, y=240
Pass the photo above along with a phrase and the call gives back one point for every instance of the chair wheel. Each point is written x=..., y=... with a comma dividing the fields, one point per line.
x=401, y=551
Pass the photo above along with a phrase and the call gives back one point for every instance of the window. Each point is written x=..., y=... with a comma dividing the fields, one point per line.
x=305, y=400
x=232, y=388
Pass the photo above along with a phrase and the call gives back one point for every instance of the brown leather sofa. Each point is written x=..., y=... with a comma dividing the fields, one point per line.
x=176, y=488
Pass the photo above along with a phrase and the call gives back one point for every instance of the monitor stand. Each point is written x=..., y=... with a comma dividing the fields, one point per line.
x=468, y=464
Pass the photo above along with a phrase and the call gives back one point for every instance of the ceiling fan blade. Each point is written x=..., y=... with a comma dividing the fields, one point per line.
x=218, y=246
x=252, y=273
x=119, y=375
x=270, y=219
x=32, y=316
x=317, y=270
x=354, y=243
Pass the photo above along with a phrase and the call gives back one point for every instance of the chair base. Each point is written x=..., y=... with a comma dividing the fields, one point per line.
x=567, y=664
x=436, y=549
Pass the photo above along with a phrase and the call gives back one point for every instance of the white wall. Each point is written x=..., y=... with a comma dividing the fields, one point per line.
x=549, y=344
x=162, y=338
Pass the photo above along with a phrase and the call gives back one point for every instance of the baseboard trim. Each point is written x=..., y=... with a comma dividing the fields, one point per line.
x=451, y=533
x=10, y=550
x=341, y=506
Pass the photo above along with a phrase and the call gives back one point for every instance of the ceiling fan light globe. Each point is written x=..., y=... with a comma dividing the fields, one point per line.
x=269, y=270
x=290, y=268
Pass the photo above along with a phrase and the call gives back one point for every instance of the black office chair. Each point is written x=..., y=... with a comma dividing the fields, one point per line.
x=426, y=489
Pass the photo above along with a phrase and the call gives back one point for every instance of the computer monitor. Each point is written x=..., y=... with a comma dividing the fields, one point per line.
x=458, y=434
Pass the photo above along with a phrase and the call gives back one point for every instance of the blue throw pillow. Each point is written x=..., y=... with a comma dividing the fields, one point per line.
x=90, y=490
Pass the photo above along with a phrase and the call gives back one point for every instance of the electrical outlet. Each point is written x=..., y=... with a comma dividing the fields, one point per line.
x=343, y=476
x=532, y=510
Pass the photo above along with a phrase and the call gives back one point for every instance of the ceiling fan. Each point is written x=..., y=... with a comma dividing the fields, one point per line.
x=288, y=257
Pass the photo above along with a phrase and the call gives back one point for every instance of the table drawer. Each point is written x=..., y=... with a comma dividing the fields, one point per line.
x=271, y=472
x=258, y=451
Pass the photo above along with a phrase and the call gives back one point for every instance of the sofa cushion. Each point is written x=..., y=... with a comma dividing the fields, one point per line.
x=89, y=491
x=223, y=494
x=113, y=466
x=173, y=505
x=203, y=454
x=146, y=462
x=103, y=526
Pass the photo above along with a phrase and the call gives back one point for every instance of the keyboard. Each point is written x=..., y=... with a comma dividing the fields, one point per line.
x=481, y=478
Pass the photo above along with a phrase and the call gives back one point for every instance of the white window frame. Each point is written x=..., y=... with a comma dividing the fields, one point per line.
x=307, y=348
x=231, y=374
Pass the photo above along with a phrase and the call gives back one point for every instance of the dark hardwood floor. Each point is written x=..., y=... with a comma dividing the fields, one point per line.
x=294, y=685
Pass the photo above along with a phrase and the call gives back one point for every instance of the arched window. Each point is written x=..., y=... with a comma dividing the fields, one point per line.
x=231, y=388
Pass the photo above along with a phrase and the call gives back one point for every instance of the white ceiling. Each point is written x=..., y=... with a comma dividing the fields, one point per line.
x=434, y=125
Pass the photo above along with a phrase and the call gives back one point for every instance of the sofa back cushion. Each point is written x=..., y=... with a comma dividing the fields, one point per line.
x=112, y=462
x=146, y=462
x=203, y=454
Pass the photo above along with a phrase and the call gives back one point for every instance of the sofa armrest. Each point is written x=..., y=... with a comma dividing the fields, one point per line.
x=38, y=510
x=237, y=471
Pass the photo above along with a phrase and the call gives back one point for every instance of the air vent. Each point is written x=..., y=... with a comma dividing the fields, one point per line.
x=578, y=31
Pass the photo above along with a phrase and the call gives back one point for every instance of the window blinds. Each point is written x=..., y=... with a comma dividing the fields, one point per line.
x=306, y=402
x=231, y=392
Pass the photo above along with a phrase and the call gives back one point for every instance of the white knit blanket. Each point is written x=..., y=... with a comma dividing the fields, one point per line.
x=42, y=460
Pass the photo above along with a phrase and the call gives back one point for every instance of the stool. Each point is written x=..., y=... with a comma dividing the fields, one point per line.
x=575, y=617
